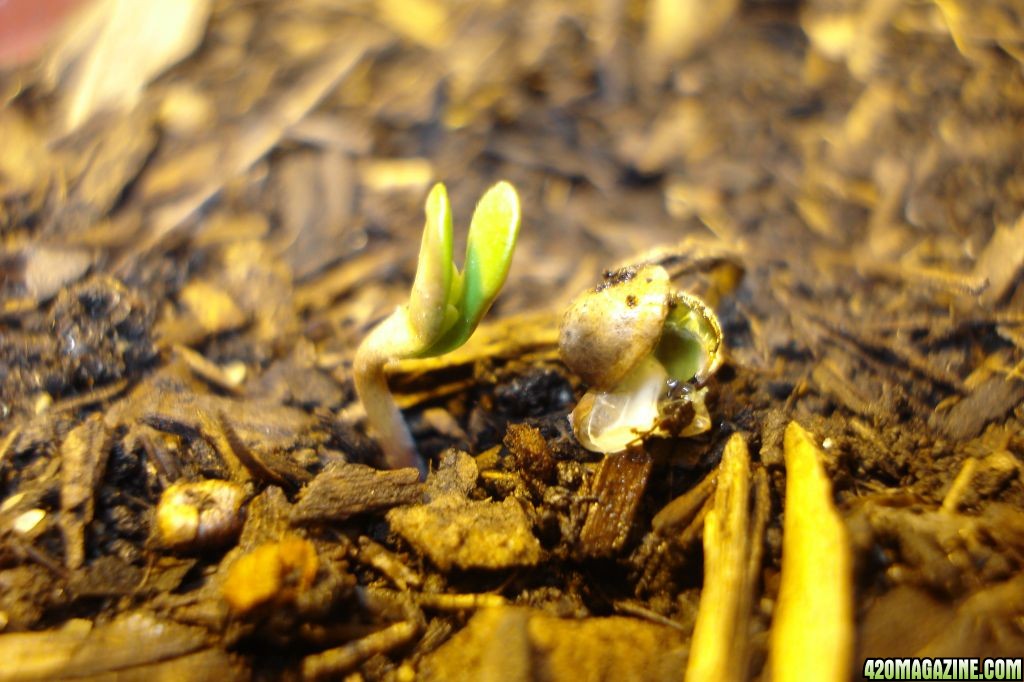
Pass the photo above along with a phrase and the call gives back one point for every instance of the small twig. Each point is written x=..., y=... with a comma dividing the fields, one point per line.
x=458, y=602
x=330, y=663
x=631, y=608
x=97, y=395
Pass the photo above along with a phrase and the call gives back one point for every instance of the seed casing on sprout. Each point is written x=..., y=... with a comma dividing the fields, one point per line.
x=644, y=350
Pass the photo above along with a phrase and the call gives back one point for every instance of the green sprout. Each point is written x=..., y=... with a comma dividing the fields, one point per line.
x=443, y=310
x=645, y=350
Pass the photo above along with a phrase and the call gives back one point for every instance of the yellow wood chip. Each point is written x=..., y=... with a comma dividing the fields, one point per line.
x=812, y=635
x=719, y=635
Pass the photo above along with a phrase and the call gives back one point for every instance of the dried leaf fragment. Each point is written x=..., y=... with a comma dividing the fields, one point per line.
x=815, y=607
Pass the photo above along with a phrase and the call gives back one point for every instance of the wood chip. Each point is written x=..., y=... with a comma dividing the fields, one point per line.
x=992, y=400
x=815, y=606
x=718, y=650
x=530, y=452
x=211, y=307
x=619, y=487
x=454, y=532
x=83, y=462
x=226, y=378
x=1002, y=261
x=135, y=645
x=344, y=490
x=680, y=512
x=980, y=478
x=45, y=270
x=167, y=403
x=536, y=646
x=269, y=464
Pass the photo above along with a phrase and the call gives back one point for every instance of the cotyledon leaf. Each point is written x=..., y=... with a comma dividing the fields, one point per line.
x=489, y=246
x=429, y=299
x=690, y=345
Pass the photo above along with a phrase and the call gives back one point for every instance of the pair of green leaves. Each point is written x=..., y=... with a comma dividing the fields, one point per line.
x=446, y=305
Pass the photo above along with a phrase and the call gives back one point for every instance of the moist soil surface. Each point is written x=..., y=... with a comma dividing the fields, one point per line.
x=187, y=483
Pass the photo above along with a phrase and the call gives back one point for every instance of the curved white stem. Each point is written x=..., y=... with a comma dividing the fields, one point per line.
x=385, y=342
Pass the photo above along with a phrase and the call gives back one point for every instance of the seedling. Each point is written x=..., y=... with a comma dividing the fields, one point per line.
x=443, y=310
x=645, y=351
